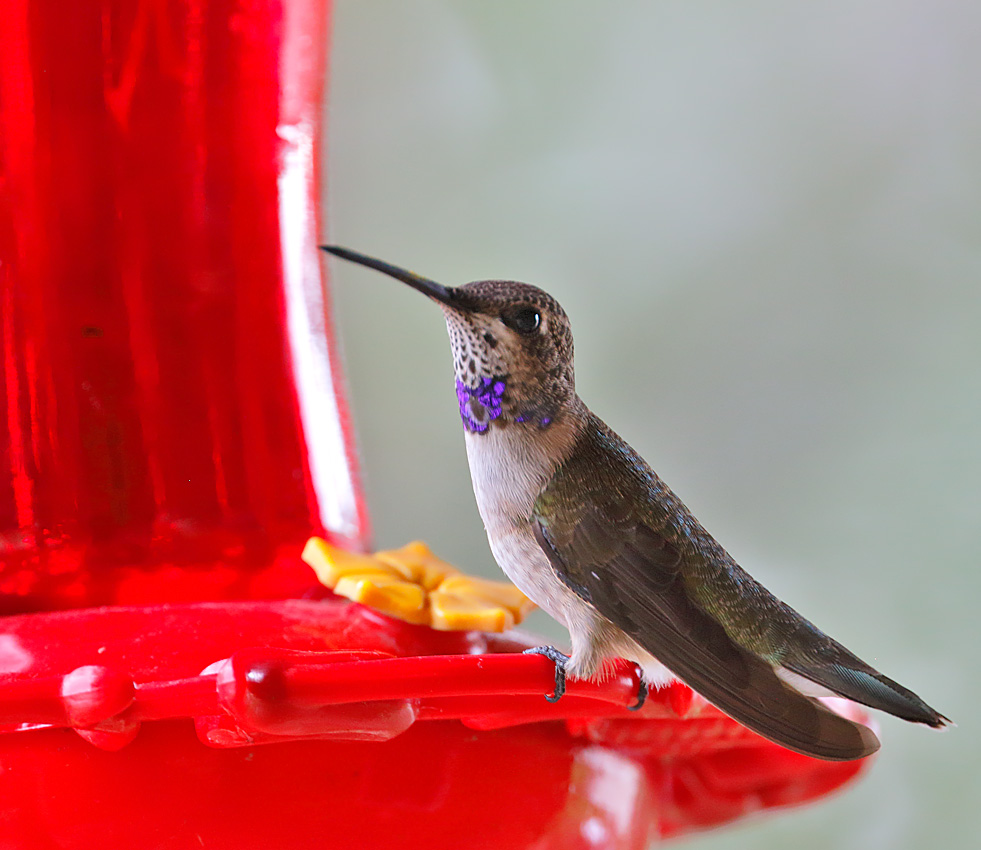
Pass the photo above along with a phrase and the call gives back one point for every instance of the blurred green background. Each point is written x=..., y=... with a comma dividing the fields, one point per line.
x=763, y=220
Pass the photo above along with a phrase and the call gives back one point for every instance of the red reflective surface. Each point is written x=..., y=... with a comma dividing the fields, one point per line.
x=335, y=717
x=172, y=429
x=161, y=304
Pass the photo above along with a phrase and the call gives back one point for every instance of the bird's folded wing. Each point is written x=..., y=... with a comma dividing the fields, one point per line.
x=630, y=564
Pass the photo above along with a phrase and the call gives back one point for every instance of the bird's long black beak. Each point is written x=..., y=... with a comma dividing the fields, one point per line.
x=444, y=294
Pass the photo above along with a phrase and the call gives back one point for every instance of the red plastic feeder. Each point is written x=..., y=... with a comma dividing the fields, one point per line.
x=172, y=429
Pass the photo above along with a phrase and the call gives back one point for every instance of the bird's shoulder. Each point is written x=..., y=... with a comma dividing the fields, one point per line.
x=607, y=516
x=604, y=480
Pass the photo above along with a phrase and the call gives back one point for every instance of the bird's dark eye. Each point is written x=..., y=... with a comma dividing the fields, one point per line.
x=524, y=320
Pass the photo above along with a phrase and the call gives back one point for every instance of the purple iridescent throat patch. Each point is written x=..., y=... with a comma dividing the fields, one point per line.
x=479, y=405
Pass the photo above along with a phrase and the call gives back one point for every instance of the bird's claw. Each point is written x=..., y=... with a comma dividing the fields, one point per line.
x=641, y=696
x=560, y=659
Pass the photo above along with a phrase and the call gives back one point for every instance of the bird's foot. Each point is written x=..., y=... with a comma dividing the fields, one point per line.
x=560, y=660
x=641, y=696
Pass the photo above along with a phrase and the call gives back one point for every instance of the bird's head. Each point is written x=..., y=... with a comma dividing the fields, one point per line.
x=512, y=348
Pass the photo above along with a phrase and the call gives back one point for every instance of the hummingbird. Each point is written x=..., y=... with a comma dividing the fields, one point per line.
x=587, y=530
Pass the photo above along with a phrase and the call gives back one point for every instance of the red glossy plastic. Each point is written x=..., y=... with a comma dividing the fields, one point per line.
x=393, y=734
x=173, y=427
x=170, y=427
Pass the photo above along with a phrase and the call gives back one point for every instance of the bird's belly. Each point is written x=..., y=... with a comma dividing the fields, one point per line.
x=519, y=555
x=593, y=637
x=508, y=471
x=507, y=474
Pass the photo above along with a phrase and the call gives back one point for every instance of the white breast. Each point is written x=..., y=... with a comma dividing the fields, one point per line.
x=510, y=467
x=508, y=471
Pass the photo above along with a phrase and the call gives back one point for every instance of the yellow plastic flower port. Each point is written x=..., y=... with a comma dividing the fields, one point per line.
x=412, y=584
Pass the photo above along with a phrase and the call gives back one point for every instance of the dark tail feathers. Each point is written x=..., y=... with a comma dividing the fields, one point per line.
x=868, y=686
